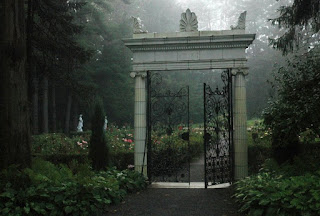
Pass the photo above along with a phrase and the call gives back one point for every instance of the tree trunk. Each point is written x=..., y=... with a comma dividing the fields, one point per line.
x=54, y=111
x=14, y=110
x=75, y=115
x=68, y=113
x=35, y=105
x=45, y=88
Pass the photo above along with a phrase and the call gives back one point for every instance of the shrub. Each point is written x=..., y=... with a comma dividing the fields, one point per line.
x=98, y=148
x=55, y=190
x=259, y=145
x=271, y=194
x=58, y=143
x=295, y=109
x=289, y=189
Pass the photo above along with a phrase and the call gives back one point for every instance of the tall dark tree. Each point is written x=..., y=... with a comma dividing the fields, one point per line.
x=55, y=55
x=98, y=148
x=14, y=106
x=295, y=109
x=301, y=22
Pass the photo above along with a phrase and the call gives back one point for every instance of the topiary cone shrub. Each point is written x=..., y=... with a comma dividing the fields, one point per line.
x=98, y=148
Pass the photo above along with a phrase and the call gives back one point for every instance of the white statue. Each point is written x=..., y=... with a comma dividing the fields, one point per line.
x=105, y=126
x=80, y=124
x=138, y=26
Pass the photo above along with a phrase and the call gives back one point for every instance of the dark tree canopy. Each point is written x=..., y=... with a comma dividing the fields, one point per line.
x=295, y=110
x=299, y=19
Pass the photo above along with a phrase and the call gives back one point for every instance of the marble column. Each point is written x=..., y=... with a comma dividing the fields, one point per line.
x=140, y=118
x=240, y=125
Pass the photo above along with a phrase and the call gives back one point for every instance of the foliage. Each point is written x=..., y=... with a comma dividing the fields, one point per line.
x=55, y=190
x=59, y=148
x=259, y=145
x=280, y=190
x=295, y=110
x=58, y=143
x=300, y=18
x=120, y=139
x=98, y=148
x=176, y=151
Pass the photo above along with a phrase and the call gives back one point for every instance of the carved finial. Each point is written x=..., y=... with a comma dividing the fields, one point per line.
x=137, y=25
x=241, y=22
x=188, y=21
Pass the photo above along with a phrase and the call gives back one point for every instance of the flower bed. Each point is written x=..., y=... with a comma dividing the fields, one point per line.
x=59, y=148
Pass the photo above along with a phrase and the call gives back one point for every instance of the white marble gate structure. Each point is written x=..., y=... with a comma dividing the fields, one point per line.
x=191, y=49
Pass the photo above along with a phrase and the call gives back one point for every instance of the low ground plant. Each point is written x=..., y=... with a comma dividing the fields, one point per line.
x=289, y=189
x=48, y=189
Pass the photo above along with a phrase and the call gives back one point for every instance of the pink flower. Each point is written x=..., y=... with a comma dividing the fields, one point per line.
x=85, y=142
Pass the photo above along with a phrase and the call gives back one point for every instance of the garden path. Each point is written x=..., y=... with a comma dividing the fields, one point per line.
x=197, y=169
x=177, y=202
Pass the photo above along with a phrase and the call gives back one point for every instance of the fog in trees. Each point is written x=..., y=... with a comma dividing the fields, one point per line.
x=75, y=53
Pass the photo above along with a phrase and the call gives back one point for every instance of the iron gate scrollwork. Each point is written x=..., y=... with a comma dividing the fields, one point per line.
x=168, y=131
x=218, y=136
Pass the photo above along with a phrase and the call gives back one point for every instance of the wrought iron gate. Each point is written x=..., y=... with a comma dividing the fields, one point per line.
x=218, y=136
x=167, y=131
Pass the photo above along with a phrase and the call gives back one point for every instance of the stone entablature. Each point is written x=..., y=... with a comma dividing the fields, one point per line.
x=189, y=50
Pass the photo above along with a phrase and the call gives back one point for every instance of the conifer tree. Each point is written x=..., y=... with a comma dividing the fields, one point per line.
x=302, y=23
x=98, y=149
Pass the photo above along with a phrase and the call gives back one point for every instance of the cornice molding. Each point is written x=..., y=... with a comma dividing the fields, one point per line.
x=189, y=43
x=190, y=65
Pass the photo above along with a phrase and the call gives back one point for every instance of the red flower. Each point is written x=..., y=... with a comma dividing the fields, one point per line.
x=180, y=127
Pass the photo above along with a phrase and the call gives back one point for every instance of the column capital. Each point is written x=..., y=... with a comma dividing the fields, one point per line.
x=134, y=74
x=244, y=71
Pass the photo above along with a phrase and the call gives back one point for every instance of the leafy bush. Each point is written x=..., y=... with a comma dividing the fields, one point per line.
x=122, y=160
x=281, y=190
x=56, y=190
x=171, y=153
x=58, y=143
x=59, y=148
x=295, y=110
x=63, y=158
x=259, y=145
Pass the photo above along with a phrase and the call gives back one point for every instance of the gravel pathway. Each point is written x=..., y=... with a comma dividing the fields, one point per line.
x=177, y=202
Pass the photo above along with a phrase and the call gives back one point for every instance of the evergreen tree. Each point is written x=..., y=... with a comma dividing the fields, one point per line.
x=98, y=148
x=301, y=20
x=14, y=107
